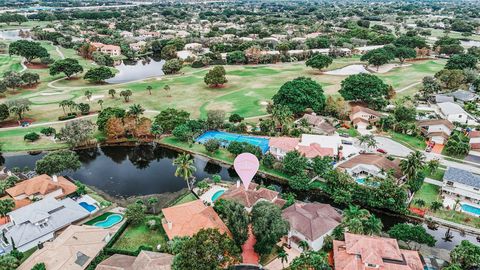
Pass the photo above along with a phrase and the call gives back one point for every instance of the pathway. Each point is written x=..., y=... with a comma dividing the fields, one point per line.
x=59, y=52
x=249, y=256
x=277, y=264
x=408, y=87
x=433, y=181
x=50, y=123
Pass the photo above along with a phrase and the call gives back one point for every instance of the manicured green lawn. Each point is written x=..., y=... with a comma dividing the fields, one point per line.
x=428, y=192
x=9, y=63
x=140, y=235
x=437, y=175
x=352, y=132
x=188, y=197
x=12, y=141
x=417, y=143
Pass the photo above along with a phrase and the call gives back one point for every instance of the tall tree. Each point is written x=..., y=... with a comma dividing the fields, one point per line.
x=67, y=66
x=268, y=226
x=28, y=49
x=57, y=162
x=414, y=163
x=300, y=94
x=467, y=255
x=215, y=77
x=236, y=218
x=365, y=87
x=208, y=249
x=98, y=74
x=319, y=61
x=185, y=168
x=411, y=234
x=311, y=260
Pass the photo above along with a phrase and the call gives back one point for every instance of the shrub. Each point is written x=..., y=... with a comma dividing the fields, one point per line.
x=216, y=178
x=32, y=136
x=212, y=145
x=66, y=117
x=48, y=131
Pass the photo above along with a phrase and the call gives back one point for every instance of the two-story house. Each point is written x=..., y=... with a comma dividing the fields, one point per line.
x=310, y=222
x=437, y=130
x=462, y=184
x=112, y=50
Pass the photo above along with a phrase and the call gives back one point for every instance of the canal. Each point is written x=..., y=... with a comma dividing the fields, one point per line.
x=122, y=171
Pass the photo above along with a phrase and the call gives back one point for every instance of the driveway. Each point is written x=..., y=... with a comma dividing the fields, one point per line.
x=276, y=264
x=392, y=147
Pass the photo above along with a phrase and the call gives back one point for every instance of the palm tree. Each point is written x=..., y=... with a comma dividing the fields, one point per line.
x=282, y=115
x=19, y=110
x=304, y=245
x=88, y=94
x=283, y=257
x=100, y=102
x=372, y=225
x=136, y=110
x=112, y=92
x=455, y=206
x=355, y=212
x=414, y=163
x=420, y=202
x=6, y=206
x=167, y=89
x=436, y=206
x=368, y=140
x=63, y=104
x=433, y=165
x=152, y=201
x=126, y=95
x=185, y=168
x=149, y=89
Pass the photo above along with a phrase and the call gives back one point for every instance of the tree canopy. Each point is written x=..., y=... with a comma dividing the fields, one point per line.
x=99, y=74
x=215, y=77
x=365, y=87
x=28, y=49
x=268, y=226
x=300, y=94
x=319, y=61
x=57, y=162
x=67, y=66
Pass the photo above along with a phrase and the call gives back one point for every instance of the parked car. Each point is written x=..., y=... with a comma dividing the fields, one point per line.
x=380, y=150
x=345, y=135
x=347, y=142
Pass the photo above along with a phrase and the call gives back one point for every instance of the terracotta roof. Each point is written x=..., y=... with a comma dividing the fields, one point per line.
x=373, y=159
x=474, y=134
x=189, y=218
x=315, y=150
x=358, y=120
x=434, y=122
x=313, y=220
x=146, y=260
x=475, y=145
x=287, y=144
x=357, y=251
x=356, y=109
x=42, y=184
x=249, y=197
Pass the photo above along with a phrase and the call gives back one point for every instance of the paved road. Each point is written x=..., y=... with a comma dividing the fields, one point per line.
x=392, y=147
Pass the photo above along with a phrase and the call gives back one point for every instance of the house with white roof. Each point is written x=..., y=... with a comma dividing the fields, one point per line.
x=455, y=113
x=38, y=222
x=437, y=130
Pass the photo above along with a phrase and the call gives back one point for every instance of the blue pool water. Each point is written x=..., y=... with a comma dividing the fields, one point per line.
x=109, y=221
x=361, y=181
x=217, y=195
x=471, y=209
x=226, y=138
x=90, y=208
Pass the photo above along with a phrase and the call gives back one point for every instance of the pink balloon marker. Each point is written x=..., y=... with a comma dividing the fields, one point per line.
x=246, y=165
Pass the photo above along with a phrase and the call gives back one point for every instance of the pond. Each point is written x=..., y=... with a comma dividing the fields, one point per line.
x=123, y=171
x=15, y=34
x=129, y=71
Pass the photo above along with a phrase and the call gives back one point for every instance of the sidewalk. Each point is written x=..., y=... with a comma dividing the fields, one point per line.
x=249, y=255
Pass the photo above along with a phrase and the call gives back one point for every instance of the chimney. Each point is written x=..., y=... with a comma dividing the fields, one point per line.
x=54, y=178
x=169, y=224
x=238, y=183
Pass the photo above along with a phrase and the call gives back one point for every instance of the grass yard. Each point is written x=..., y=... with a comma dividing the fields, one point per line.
x=136, y=236
x=12, y=140
x=9, y=63
x=352, y=132
x=437, y=175
x=428, y=192
x=187, y=197
x=248, y=91
x=417, y=143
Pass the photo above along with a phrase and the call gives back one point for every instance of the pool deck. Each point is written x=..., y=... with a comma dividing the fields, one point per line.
x=91, y=201
x=207, y=196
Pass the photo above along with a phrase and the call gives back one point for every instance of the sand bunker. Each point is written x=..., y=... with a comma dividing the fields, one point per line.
x=97, y=97
x=264, y=103
x=348, y=70
x=50, y=94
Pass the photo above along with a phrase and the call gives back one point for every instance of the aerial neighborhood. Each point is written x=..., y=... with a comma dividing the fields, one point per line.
x=239, y=135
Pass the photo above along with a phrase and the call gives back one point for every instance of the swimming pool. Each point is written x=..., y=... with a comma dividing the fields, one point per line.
x=217, y=195
x=226, y=138
x=109, y=221
x=361, y=181
x=471, y=209
x=90, y=208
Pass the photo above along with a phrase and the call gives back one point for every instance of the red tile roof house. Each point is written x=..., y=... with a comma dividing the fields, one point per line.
x=189, y=218
x=40, y=187
x=310, y=222
x=436, y=130
x=474, y=140
x=280, y=146
x=111, y=50
x=252, y=195
x=360, y=252
x=362, y=116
